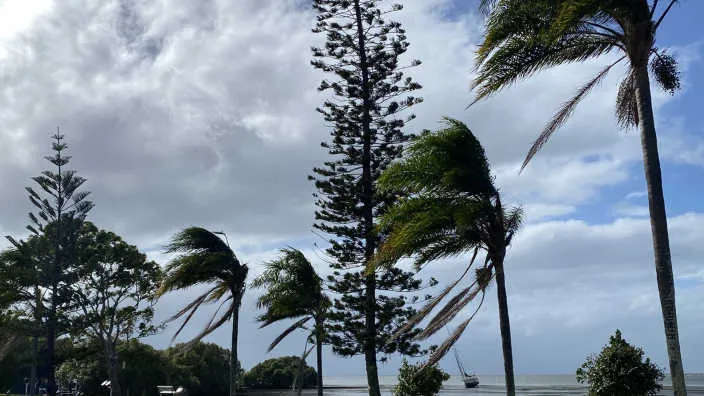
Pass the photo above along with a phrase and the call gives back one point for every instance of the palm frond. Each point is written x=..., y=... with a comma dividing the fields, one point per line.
x=196, y=239
x=565, y=112
x=486, y=6
x=204, y=258
x=224, y=318
x=189, y=310
x=626, y=104
x=297, y=325
x=423, y=312
x=444, y=348
x=450, y=311
x=449, y=159
x=664, y=14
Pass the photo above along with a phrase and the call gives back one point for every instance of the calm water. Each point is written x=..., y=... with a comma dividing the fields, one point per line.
x=489, y=385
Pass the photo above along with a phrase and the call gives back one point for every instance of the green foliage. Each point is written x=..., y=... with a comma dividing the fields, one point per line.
x=86, y=371
x=64, y=201
x=361, y=55
x=115, y=288
x=15, y=363
x=293, y=290
x=204, y=258
x=203, y=369
x=619, y=370
x=419, y=380
x=144, y=368
x=279, y=373
x=449, y=206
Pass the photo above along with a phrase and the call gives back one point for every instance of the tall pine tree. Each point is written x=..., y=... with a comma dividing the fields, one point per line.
x=61, y=209
x=369, y=91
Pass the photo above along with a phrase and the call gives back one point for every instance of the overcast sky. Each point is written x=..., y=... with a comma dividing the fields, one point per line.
x=185, y=112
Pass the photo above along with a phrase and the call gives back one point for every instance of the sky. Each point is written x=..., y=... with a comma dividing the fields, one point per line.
x=184, y=113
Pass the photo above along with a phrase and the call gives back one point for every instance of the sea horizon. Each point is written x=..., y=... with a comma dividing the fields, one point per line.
x=489, y=385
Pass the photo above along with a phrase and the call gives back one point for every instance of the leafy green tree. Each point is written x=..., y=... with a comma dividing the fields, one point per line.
x=369, y=88
x=145, y=368
x=419, y=380
x=293, y=290
x=450, y=206
x=61, y=208
x=279, y=373
x=524, y=37
x=203, y=258
x=16, y=363
x=82, y=360
x=86, y=371
x=619, y=370
x=142, y=367
x=114, y=293
x=203, y=368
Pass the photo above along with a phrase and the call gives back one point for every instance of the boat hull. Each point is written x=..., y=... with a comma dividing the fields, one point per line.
x=470, y=381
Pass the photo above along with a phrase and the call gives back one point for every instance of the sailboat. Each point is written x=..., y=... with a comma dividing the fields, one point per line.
x=470, y=380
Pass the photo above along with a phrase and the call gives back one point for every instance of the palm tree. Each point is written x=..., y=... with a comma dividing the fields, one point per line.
x=449, y=206
x=524, y=37
x=294, y=291
x=203, y=258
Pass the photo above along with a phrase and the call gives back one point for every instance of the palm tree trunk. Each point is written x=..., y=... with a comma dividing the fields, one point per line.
x=505, y=326
x=658, y=225
x=319, y=352
x=234, y=362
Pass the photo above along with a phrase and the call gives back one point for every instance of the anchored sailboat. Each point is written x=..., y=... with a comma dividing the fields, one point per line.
x=470, y=380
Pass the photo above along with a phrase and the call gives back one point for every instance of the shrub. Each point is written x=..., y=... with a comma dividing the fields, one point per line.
x=414, y=382
x=279, y=373
x=619, y=370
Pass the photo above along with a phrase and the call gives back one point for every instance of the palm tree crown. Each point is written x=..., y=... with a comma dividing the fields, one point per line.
x=293, y=291
x=204, y=259
x=523, y=37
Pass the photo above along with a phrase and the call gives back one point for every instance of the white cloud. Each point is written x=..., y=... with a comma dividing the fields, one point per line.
x=202, y=113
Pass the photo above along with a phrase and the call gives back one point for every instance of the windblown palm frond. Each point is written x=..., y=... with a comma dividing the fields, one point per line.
x=293, y=290
x=444, y=348
x=448, y=206
x=204, y=259
x=525, y=37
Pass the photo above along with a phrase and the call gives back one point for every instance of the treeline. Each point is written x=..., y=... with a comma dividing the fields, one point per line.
x=202, y=368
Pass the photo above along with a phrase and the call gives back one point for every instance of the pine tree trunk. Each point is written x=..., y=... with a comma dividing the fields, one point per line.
x=35, y=341
x=368, y=212
x=113, y=372
x=319, y=353
x=658, y=225
x=51, y=339
x=35, y=363
x=505, y=326
x=234, y=361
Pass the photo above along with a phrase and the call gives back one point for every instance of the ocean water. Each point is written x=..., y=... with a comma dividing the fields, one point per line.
x=490, y=385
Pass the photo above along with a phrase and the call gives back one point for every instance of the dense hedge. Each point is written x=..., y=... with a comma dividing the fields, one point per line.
x=279, y=373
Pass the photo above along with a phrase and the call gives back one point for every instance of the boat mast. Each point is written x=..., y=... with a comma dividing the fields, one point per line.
x=459, y=362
